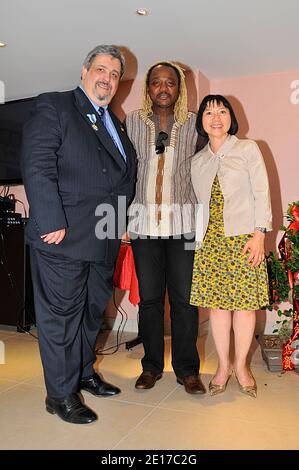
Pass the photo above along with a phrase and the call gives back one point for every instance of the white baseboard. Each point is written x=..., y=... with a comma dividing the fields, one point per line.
x=113, y=323
x=131, y=326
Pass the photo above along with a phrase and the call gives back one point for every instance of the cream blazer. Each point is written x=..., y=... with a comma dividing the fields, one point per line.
x=244, y=183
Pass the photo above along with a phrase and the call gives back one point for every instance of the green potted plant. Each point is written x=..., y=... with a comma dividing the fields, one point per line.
x=283, y=274
x=272, y=344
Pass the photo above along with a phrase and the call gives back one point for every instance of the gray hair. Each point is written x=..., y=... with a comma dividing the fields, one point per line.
x=105, y=49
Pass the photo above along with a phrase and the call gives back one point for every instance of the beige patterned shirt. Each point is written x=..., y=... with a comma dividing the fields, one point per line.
x=177, y=209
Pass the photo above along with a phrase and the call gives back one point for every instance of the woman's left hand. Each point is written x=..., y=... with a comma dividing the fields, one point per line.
x=256, y=248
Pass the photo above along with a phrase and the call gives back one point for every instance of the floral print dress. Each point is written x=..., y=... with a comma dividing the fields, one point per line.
x=222, y=277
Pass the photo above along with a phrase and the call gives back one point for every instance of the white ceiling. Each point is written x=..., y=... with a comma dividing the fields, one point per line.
x=48, y=40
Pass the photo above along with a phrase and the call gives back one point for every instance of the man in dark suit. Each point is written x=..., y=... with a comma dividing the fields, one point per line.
x=78, y=164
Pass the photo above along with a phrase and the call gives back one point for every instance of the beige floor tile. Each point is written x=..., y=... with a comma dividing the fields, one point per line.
x=6, y=384
x=8, y=330
x=271, y=405
x=25, y=424
x=165, y=429
x=37, y=380
x=123, y=369
x=160, y=418
x=126, y=381
x=22, y=358
x=5, y=334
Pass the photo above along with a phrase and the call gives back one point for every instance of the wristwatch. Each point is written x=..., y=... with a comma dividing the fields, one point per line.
x=261, y=229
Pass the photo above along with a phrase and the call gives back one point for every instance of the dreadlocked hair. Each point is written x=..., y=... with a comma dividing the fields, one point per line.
x=180, y=107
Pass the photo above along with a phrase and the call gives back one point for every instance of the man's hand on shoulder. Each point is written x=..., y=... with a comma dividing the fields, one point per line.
x=54, y=237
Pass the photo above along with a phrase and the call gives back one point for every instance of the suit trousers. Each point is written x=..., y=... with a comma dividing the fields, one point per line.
x=70, y=297
x=160, y=263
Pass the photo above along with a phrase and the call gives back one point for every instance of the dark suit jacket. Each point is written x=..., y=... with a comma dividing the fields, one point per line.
x=69, y=168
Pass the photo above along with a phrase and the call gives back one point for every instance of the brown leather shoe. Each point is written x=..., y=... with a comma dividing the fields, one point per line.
x=192, y=384
x=147, y=380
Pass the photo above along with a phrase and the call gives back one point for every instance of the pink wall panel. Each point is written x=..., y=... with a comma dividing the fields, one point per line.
x=267, y=108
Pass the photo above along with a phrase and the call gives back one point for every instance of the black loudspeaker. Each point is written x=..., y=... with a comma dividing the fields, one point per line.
x=16, y=293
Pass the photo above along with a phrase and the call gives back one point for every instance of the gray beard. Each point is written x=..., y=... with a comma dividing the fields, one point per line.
x=102, y=98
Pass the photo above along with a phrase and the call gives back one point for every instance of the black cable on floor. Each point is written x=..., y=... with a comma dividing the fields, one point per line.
x=120, y=330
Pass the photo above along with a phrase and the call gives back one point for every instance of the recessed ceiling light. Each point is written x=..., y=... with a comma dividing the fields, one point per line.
x=142, y=12
x=2, y=44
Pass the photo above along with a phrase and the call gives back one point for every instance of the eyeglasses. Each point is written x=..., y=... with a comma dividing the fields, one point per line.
x=160, y=146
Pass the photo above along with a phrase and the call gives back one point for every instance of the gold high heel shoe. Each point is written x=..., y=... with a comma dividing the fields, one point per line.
x=215, y=389
x=250, y=390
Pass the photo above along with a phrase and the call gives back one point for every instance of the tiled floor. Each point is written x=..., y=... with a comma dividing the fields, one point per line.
x=164, y=417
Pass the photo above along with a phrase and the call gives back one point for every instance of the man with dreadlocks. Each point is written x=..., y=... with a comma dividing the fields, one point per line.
x=162, y=224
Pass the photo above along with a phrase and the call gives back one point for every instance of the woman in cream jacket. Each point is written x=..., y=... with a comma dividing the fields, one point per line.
x=229, y=275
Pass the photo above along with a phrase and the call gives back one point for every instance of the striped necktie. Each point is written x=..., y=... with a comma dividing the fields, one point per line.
x=113, y=133
x=102, y=113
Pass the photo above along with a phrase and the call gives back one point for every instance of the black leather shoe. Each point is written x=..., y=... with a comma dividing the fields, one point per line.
x=147, y=380
x=71, y=409
x=99, y=387
x=192, y=384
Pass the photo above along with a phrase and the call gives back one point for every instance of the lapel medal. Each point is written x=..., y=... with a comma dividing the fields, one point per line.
x=93, y=120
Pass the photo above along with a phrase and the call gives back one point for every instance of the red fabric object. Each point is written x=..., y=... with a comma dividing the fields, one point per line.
x=125, y=277
x=290, y=347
